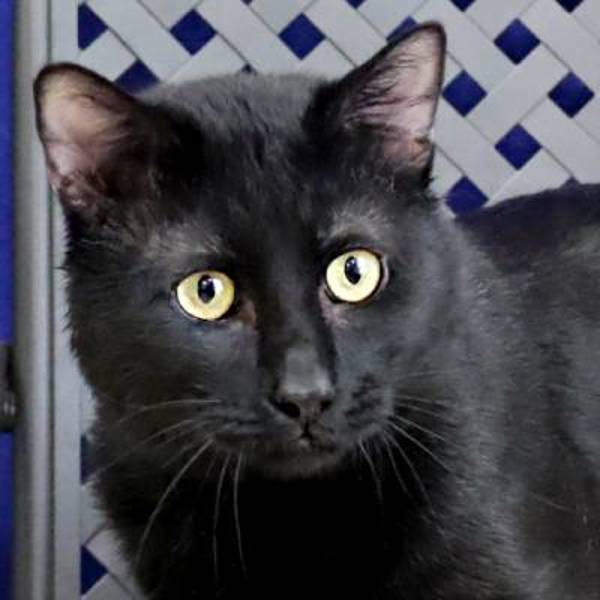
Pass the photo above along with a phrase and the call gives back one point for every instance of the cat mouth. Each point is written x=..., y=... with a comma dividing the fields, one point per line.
x=292, y=453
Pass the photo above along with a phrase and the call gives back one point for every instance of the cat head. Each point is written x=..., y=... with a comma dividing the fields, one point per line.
x=252, y=259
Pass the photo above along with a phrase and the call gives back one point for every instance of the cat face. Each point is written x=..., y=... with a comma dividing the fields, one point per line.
x=250, y=258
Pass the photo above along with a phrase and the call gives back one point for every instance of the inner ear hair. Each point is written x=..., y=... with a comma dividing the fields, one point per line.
x=91, y=132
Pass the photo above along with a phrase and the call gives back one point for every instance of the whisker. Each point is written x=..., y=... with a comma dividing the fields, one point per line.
x=164, y=497
x=236, y=512
x=183, y=451
x=215, y=543
x=424, y=400
x=167, y=404
x=413, y=471
x=417, y=443
x=187, y=422
x=376, y=479
x=429, y=373
x=393, y=462
x=424, y=411
x=424, y=429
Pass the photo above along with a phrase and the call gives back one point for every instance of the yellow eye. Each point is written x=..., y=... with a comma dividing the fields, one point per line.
x=207, y=295
x=354, y=276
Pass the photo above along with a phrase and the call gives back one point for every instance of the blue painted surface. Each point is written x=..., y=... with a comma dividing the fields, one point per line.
x=6, y=17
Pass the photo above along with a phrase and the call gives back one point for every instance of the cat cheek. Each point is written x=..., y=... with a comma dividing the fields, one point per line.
x=335, y=313
x=247, y=313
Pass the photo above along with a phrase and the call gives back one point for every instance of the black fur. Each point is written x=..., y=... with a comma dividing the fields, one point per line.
x=459, y=458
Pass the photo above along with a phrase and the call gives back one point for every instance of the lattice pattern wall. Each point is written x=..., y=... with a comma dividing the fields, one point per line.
x=520, y=111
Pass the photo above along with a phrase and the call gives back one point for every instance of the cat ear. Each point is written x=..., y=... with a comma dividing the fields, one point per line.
x=98, y=140
x=392, y=98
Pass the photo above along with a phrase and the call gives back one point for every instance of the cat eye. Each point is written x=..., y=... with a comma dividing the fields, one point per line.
x=207, y=295
x=354, y=276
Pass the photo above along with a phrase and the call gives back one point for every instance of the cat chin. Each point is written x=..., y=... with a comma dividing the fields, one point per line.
x=302, y=465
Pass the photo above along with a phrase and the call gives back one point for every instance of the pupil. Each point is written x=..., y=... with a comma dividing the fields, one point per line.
x=352, y=270
x=206, y=289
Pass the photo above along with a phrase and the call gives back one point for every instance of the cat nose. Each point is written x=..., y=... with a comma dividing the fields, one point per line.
x=305, y=390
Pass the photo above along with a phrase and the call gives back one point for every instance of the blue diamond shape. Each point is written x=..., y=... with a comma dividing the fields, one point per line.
x=517, y=41
x=465, y=196
x=406, y=25
x=571, y=94
x=91, y=570
x=355, y=3
x=569, y=5
x=518, y=147
x=464, y=93
x=248, y=69
x=301, y=36
x=192, y=32
x=89, y=26
x=137, y=77
x=462, y=4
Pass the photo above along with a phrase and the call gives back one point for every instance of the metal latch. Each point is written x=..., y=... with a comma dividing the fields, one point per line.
x=8, y=403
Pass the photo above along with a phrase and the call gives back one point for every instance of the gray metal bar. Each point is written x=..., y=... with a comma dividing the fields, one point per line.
x=67, y=385
x=33, y=323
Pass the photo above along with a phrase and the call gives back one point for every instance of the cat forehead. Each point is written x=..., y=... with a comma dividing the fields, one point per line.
x=237, y=101
x=236, y=233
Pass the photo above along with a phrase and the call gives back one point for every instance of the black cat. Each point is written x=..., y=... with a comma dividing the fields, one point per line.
x=310, y=383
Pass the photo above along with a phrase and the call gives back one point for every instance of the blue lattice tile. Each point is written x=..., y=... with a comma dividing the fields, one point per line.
x=355, y=3
x=406, y=25
x=465, y=196
x=192, y=32
x=89, y=26
x=462, y=4
x=464, y=93
x=517, y=41
x=92, y=570
x=137, y=77
x=571, y=94
x=518, y=147
x=302, y=36
x=569, y=5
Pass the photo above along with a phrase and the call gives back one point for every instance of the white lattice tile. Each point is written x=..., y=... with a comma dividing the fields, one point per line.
x=517, y=94
x=574, y=44
x=487, y=65
x=540, y=173
x=346, y=28
x=566, y=141
x=588, y=15
x=386, y=15
x=494, y=16
x=325, y=60
x=216, y=58
x=143, y=33
x=589, y=118
x=170, y=11
x=470, y=151
x=278, y=13
x=108, y=589
x=446, y=174
x=451, y=69
x=246, y=32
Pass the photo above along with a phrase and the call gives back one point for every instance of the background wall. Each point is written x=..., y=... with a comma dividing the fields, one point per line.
x=520, y=111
